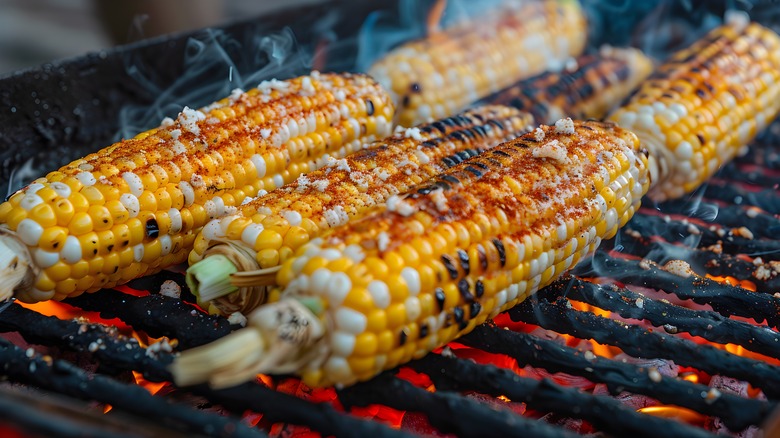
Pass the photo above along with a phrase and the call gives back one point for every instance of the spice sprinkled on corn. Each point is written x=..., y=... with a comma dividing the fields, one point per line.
x=267, y=231
x=355, y=303
x=135, y=207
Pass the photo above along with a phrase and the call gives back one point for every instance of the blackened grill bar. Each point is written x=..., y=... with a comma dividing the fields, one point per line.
x=618, y=376
x=605, y=413
x=711, y=326
x=725, y=299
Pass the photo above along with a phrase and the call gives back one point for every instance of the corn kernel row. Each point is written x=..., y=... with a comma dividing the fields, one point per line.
x=469, y=243
x=273, y=226
x=135, y=207
x=441, y=75
x=705, y=104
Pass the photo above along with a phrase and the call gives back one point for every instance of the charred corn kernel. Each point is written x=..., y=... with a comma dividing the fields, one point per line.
x=588, y=87
x=332, y=345
x=439, y=76
x=705, y=104
x=169, y=181
x=290, y=216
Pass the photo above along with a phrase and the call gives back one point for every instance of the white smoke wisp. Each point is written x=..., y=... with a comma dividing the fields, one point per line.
x=214, y=64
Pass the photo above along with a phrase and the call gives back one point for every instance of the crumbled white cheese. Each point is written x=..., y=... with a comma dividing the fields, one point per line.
x=679, y=268
x=235, y=95
x=438, y=198
x=564, y=126
x=166, y=122
x=170, y=288
x=265, y=132
x=237, y=318
x=197, y=181
x=401, y=206
x=175, y=133
x=188, y=119
x=247, y=200
x=538, y=134
x=381, y=173
x=336, y=216
x=307, y=89
x=421, y=156
x=413, y=133
x=266, y=87
x=321, y=184
x=303, y=182
x=262, y=192
x=341, y=164
x=360, y=180
x=552, y=149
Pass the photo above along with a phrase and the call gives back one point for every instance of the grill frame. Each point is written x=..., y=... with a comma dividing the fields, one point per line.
x=98, y=85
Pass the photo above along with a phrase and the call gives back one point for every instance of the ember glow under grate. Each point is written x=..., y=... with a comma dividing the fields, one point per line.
x=632, y=343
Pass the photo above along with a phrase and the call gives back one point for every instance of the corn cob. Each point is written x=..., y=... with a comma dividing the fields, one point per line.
x=466, y=245
x=441, y=75
x=589, y=88
x=705, y=104
x=135, y=207
x=267, y=231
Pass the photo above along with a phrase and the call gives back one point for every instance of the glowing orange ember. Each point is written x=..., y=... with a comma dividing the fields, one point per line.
x=744, y=284
x=676, y=412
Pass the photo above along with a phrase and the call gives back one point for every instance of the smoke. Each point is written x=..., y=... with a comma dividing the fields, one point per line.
x=213, y=65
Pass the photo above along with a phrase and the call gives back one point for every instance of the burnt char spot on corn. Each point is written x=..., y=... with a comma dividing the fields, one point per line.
x=459, y=315
x=449, y=264
x=450, y=179
x=369, y=107
x=463, y=257
x=465, y=290
x=440, y=297
x=474, y=171
x=402, y=337
x=152, y=230
x=501, y=251
x=479, y=288
x=424, y=329
x=474, y=309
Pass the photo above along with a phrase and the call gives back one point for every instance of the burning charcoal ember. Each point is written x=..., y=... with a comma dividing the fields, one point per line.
x=544, y=395
x=241, y=244
x=473, y=419
x=156, y=315
x=707, y=324
x=720, y=385
x=53, y=374
x=441, y=75
x=617, y=376
x=724, y=299
x=134, y=208
x=638, y=342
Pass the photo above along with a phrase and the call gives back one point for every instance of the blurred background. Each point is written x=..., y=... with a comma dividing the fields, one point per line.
x=36, y=31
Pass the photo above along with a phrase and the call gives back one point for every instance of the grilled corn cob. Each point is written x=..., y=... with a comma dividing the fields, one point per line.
x=135, y=207
x=439, y=76
x=705, y=104
x=466, y=245
x=590, y=88
x=268, y=230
